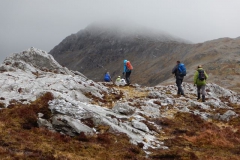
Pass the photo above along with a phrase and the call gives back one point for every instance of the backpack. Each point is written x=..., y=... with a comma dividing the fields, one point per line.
x=182, y=70
x=201, y=75
x=129, y=66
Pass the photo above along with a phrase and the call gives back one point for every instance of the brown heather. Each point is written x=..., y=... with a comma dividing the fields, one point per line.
x=189, y=137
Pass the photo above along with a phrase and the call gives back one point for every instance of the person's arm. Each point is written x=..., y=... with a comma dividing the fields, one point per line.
x=195, y=77
x=174, y=69
x=124, y=69
x=206, y=75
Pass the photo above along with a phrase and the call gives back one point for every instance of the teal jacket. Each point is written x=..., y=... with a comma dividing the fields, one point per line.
x=197, y=81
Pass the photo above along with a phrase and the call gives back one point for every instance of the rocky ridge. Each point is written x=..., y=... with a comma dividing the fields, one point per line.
x=81, y=105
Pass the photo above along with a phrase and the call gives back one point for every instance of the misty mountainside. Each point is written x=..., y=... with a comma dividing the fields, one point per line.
x=50, y=111
x=98, y=49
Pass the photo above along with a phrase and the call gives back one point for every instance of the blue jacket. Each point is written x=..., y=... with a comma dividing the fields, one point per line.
x=125, y=69
x=107, y=78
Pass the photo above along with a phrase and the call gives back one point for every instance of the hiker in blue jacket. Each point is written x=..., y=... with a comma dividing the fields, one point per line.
x=179, y=79
x=107, y=77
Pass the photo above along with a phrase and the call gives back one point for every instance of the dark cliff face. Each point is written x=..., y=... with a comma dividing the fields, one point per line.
x=95, y=50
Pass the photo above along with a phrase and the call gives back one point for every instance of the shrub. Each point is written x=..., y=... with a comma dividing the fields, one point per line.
x=82, y=137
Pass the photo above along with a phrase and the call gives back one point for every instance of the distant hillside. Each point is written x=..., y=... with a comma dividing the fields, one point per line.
x=220, y=58
x=99, y=48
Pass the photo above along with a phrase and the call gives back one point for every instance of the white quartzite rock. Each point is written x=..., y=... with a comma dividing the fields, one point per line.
x=44, y=123
x=227, y=115
x=123, y=108
x=140, y=126
x=76, y=125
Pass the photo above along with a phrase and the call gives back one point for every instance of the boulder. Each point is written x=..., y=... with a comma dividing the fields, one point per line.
x=70, y=124
x=227, y=115
x=154, y=94
x=140, y=126
x=151, y=111
x=169, y=101
x=40, y=115
x=123, y=108
x=44, y=123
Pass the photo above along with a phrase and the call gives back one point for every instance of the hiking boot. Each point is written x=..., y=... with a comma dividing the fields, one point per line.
x=203, y=98
x=198, y=96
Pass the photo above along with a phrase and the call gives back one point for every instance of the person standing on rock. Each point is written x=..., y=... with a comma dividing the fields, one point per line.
x=127, y=70
x=200, y=78
x=179, y=77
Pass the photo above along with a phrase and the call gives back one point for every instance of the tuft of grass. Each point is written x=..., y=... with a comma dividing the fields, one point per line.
x=2, y=105
x=107, y=100
x=151, y=127
x=88, y=121
x=177, y=154
x=103, y=128
x=157, y=102
x=82, y=137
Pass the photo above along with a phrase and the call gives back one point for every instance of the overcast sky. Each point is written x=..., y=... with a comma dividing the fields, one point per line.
x=45, y=23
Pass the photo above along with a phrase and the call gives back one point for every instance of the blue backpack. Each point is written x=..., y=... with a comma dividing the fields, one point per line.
x=182, y=70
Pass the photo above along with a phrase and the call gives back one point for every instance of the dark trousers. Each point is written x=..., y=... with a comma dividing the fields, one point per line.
x=179, y=85
x=128, y=77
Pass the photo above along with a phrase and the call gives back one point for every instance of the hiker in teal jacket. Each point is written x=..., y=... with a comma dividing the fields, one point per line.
x=201, y=84
x=126, y=71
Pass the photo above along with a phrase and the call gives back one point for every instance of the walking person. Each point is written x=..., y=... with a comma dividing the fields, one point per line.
x=127, y=70
x=200, y=78
x=180, y=71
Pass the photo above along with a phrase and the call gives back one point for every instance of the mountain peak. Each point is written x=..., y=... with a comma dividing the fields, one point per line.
x=129, y=30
